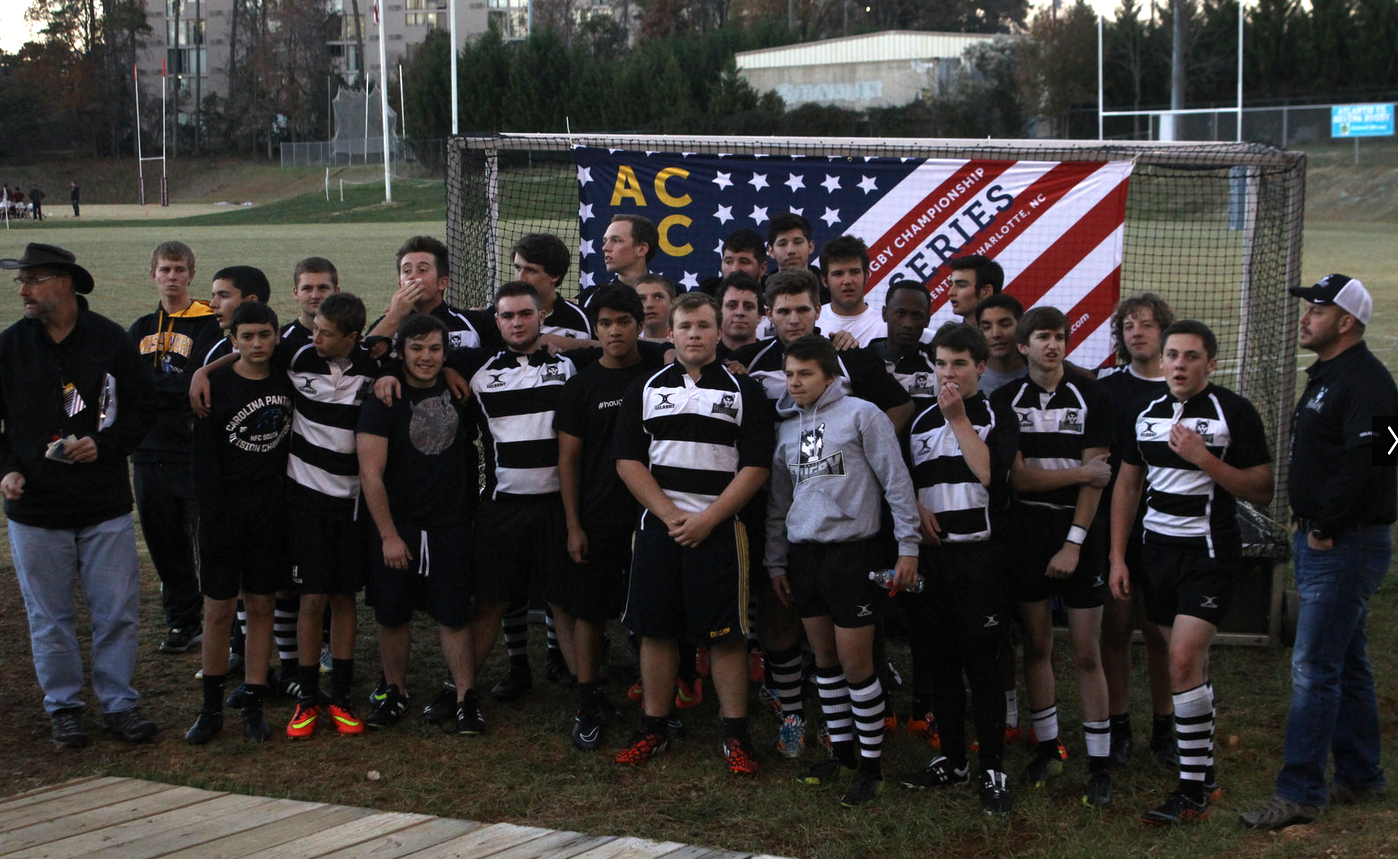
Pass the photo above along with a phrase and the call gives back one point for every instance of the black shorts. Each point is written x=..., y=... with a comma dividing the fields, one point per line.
x=1185, y=583
x=833, y=579
x=327, y=555
x=520, y=550
x=437, y=581
x=967, y=587
x=595, y=591
x=699, y=594
x=245, y=548
x=1039, y=532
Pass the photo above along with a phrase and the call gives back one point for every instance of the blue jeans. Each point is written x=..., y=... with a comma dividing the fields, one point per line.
x=50, y=564
x=1334, y=708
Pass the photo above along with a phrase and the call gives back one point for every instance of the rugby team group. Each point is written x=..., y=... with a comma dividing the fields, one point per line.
x=757, y=477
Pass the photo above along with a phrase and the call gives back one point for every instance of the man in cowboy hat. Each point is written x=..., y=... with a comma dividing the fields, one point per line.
x=74, y=403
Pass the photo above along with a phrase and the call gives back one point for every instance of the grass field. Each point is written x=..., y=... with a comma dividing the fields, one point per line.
x=526, y=771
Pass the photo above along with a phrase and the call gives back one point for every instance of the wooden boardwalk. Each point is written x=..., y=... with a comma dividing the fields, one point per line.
x=122, y=818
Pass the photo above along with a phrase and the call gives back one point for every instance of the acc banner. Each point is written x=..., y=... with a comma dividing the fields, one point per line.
x=1055, y=227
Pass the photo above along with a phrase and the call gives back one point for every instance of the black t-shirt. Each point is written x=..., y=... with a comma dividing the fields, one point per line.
x=430, y=474
x=588, y=409
x=243, y=443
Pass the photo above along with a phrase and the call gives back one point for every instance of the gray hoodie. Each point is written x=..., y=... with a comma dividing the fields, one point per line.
x=833, y=463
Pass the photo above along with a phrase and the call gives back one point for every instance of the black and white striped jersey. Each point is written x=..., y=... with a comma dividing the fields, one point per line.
x=915, y=373
x=695, y=435
x=862, y=373
x=966, y=511
x=1185, y=508
x=296, y=334
x=1055, y=428
x=515, y=399
x=567, y=320
x=328, y=394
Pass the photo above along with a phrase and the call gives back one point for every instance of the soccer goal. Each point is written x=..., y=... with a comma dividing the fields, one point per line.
x=1214, y=228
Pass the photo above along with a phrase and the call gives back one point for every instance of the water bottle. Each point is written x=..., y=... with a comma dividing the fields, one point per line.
x=884, y=579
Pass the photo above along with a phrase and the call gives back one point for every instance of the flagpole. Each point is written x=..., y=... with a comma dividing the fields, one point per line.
x=452, y=18
x=383, y=103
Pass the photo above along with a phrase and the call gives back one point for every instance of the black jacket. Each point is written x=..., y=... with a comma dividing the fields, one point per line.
x=172, y=347
x=99, y=360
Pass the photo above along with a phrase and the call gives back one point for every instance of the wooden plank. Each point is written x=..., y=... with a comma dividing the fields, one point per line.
x=146, y=828
x=630, y=848
x=80, y=803
x=555, y=845
x=428, y=833
x=693, y=851
x=58, y=788
x=485, y=841
x=287, y=829
x=91, y=792
x=105, y=816
x=203, y=827
x=340, y=837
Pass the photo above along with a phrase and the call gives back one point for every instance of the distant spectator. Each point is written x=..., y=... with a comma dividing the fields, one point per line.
x=73, y=197
x=37, y=195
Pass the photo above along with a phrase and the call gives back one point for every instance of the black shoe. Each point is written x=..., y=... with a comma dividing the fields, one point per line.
x=469, y=720
x=514, y=684
x=67, y=729
x=1176, y=809
x=255, y=726
x=390, y=709
x=557, y=668
x=938, y=773
x=826, y=772
x=587, y=730
x=1344, y=795
x=1099, y=790
x=285, y=686
x=675, y=725
x=1044, y=767
x=180, y=640
x=1122, y=744
x=442, y=707
x=204, y=728
x=606, y=709
x=130, y=725
x=1165, y=751
x=239, y=698
x=380, y=692
x=996, y=798
x=862, y=790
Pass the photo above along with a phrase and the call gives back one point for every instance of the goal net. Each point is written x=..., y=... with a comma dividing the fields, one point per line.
x=1214, y=228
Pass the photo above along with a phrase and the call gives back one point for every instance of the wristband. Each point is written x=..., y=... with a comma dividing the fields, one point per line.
x=1077, y=534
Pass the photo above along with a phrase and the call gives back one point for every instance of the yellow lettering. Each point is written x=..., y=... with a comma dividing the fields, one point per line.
x=627, y=186
x=666, y=246
x=664, y=195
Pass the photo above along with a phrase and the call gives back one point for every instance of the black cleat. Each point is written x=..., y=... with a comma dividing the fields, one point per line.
x=204, y=728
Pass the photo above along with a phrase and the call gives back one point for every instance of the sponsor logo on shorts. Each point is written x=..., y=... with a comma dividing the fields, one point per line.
x=1209, y=602
x=864, y=610
x=720, y=633
x=991, y=620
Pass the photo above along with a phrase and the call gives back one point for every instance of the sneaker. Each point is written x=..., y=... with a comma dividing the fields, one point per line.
x=181, y=640
x=790, y=741
x=687, y=695
x=255, y=726
x=606, y=709
x=995, y=793
x=1343, y=795
x=345, y=719
x=675, y=726
x=823, y=737
x=1099, y=789
x=391, y=708
x=514, y=684
x=67, y=729
x=130, y=725
x=303, y=721
x=235, y=662
x=827, y=771
x=1012, y=734
x=469, y=721
x=768, y=697
x=380, y=692
x=862, y=790
x=1279, y=813
x=939, y=772
x=284, y=687
x=1212, y=792
x=239, y=697
x=587, y=730
x=327, y=662
x=636, y=693
x=557, y=668
x=1122, y=744
x=741, y=759
x=643, y=747
x=442, y=707
x=890, y=724
x=924, y=727
x=1177, y=808
x=757, y=666
x=701, y=661
x=204, y=728
x=1041, y=770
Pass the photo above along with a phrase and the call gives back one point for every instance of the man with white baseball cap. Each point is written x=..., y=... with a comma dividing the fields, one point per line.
x=1343, y=508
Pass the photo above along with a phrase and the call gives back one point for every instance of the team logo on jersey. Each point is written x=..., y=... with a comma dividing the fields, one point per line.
x=434, y=423
x=1025, y=418
x=307, y=388
x=991, y=620
x=460, y=339
x=1148, y=427
x=1070, y=422
x=813, y=444
x=926, y=442
x=813, y=461
x=664, y=400
x=497, y=380
x=1318, y=399
x=553, y=373
x=1201, y=426
x=727, y=405
x=1209, y=602
x=922, y=384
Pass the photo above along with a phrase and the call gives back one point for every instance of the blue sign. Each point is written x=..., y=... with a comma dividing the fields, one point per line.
x=1361, y=120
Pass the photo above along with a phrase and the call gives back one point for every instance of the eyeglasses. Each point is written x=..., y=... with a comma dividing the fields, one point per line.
x=33, y=281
